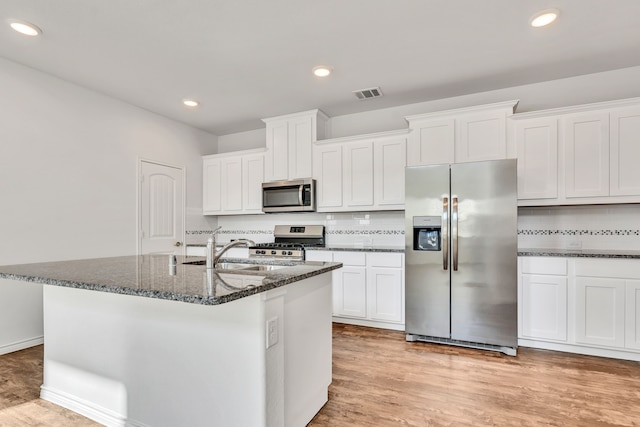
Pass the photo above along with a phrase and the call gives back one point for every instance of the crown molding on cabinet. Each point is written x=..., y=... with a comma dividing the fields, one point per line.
x=298, y=114
x=510, y=105
x=236, y=153
x=375, y=135
x=619, y=103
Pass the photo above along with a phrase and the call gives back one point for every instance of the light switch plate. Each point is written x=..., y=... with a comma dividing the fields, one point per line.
x=272, y=332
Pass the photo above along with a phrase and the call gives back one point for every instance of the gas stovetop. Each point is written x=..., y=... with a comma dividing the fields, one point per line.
x=290, y=242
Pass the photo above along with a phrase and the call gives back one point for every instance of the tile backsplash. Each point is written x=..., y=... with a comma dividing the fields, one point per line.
x=572, y=227
x=580, y=227
x=365, y=229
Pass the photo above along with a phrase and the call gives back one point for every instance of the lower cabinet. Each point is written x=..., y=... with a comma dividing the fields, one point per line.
x=543, y=308
x=580, y=305
x=369, y=289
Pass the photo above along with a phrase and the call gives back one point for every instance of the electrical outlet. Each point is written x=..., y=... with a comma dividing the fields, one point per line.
x=272, y=332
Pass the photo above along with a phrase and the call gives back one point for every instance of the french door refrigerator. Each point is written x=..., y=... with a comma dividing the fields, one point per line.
x=461, y=254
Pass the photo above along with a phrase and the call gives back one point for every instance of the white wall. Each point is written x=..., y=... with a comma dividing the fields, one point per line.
x=242, y=141
x=68, y=177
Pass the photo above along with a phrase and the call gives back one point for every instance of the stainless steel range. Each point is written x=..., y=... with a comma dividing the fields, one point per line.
x=290, y=242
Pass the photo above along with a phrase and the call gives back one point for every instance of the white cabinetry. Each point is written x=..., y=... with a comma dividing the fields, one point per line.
x=385, y=299
x=361, y=173
x=586, y=165
x=537, y=147
x=350, y=285
x=625, y=152
x=232, y=183
x=580, y=305
x=602, y=286
x=369, y=289
x=543, y=298
x=461, y=135
x=289, y=144
x=632, y=315
x=600, y=311
x=579, y=155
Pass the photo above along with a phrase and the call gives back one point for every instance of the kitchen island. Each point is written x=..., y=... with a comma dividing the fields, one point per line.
x=137, y=341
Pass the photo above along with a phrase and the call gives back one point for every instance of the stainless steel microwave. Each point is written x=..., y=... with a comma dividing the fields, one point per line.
x=289, y=196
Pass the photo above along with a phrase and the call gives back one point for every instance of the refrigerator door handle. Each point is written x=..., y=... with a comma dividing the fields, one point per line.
x=454, y=231
x=445, y=233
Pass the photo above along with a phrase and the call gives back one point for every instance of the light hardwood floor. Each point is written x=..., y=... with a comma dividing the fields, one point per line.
x=381, y=380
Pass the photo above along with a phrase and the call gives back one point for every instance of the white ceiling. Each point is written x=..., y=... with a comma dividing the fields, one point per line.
x=249, y=59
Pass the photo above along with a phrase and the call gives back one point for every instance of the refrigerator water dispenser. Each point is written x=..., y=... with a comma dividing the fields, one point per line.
x=426, y=233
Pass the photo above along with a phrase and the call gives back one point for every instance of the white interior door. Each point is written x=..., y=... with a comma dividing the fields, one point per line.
x=161, y=209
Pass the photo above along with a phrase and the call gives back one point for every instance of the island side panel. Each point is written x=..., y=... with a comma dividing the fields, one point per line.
x=123, y=359
x=308, y=348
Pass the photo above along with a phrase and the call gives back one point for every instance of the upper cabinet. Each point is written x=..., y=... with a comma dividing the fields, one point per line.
x=364, y=173
x=579, y=155
x=232, y=183
x=289, y=144
x=461, y=135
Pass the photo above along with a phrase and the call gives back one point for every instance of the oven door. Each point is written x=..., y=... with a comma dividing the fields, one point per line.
x=289, y=196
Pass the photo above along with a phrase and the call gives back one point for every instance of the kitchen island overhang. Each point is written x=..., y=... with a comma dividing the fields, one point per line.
x=162, y=353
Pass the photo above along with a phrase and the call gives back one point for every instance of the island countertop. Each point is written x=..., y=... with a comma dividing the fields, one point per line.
x=152, y=276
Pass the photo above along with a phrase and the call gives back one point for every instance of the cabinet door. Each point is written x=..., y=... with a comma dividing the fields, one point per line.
x=625, y=152
x=212, y=186
x=600, y=313
x=252, y=178
x=358, y=174
x=544, y=307
x=385, y=294
x=537, y=151
x=277, y=156
x=431, y=142
x=632, y=323
x=586, y=142
x=232, y=185
x=327, y=168
x=350, y=292
x=481, y=136
x=390, y=158
x=300, y=145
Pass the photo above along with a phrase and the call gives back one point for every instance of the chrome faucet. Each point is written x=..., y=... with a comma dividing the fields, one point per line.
x=214, y=256
x=228, y=246
x=211, y=247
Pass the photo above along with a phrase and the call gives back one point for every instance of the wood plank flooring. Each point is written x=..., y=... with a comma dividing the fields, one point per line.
x=381, y=380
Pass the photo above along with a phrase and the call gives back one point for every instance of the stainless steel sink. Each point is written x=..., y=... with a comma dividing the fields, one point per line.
x=240, y=266
x=250, y=267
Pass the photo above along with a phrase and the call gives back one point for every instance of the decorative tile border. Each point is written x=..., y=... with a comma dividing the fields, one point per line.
x=223, y=231
x=579, y=232
x=366, y=232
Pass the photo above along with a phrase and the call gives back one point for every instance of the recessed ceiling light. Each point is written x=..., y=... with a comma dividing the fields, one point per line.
x=26, y=28
x=191, y=103
x=545, y=17
x=322, y=71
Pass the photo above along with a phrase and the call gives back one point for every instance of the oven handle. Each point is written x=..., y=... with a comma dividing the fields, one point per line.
x=300, y=190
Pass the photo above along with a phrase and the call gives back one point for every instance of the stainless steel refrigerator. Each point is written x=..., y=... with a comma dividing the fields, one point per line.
x=461, y=254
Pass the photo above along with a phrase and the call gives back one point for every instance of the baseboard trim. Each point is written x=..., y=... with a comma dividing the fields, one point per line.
x=94, y=412
x=21, y=345
x=370, y=323
x=589, y=351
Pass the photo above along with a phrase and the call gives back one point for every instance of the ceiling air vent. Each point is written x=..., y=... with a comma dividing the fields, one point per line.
x=373, y=92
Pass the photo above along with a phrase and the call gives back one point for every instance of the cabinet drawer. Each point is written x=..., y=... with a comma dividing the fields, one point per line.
x=544, y=265
x=324, y=256
x=350, y=258
x=384, y=259
x=615, y=268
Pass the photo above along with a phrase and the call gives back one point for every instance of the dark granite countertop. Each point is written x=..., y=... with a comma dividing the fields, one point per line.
x=582, y=253
x=151, y=276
